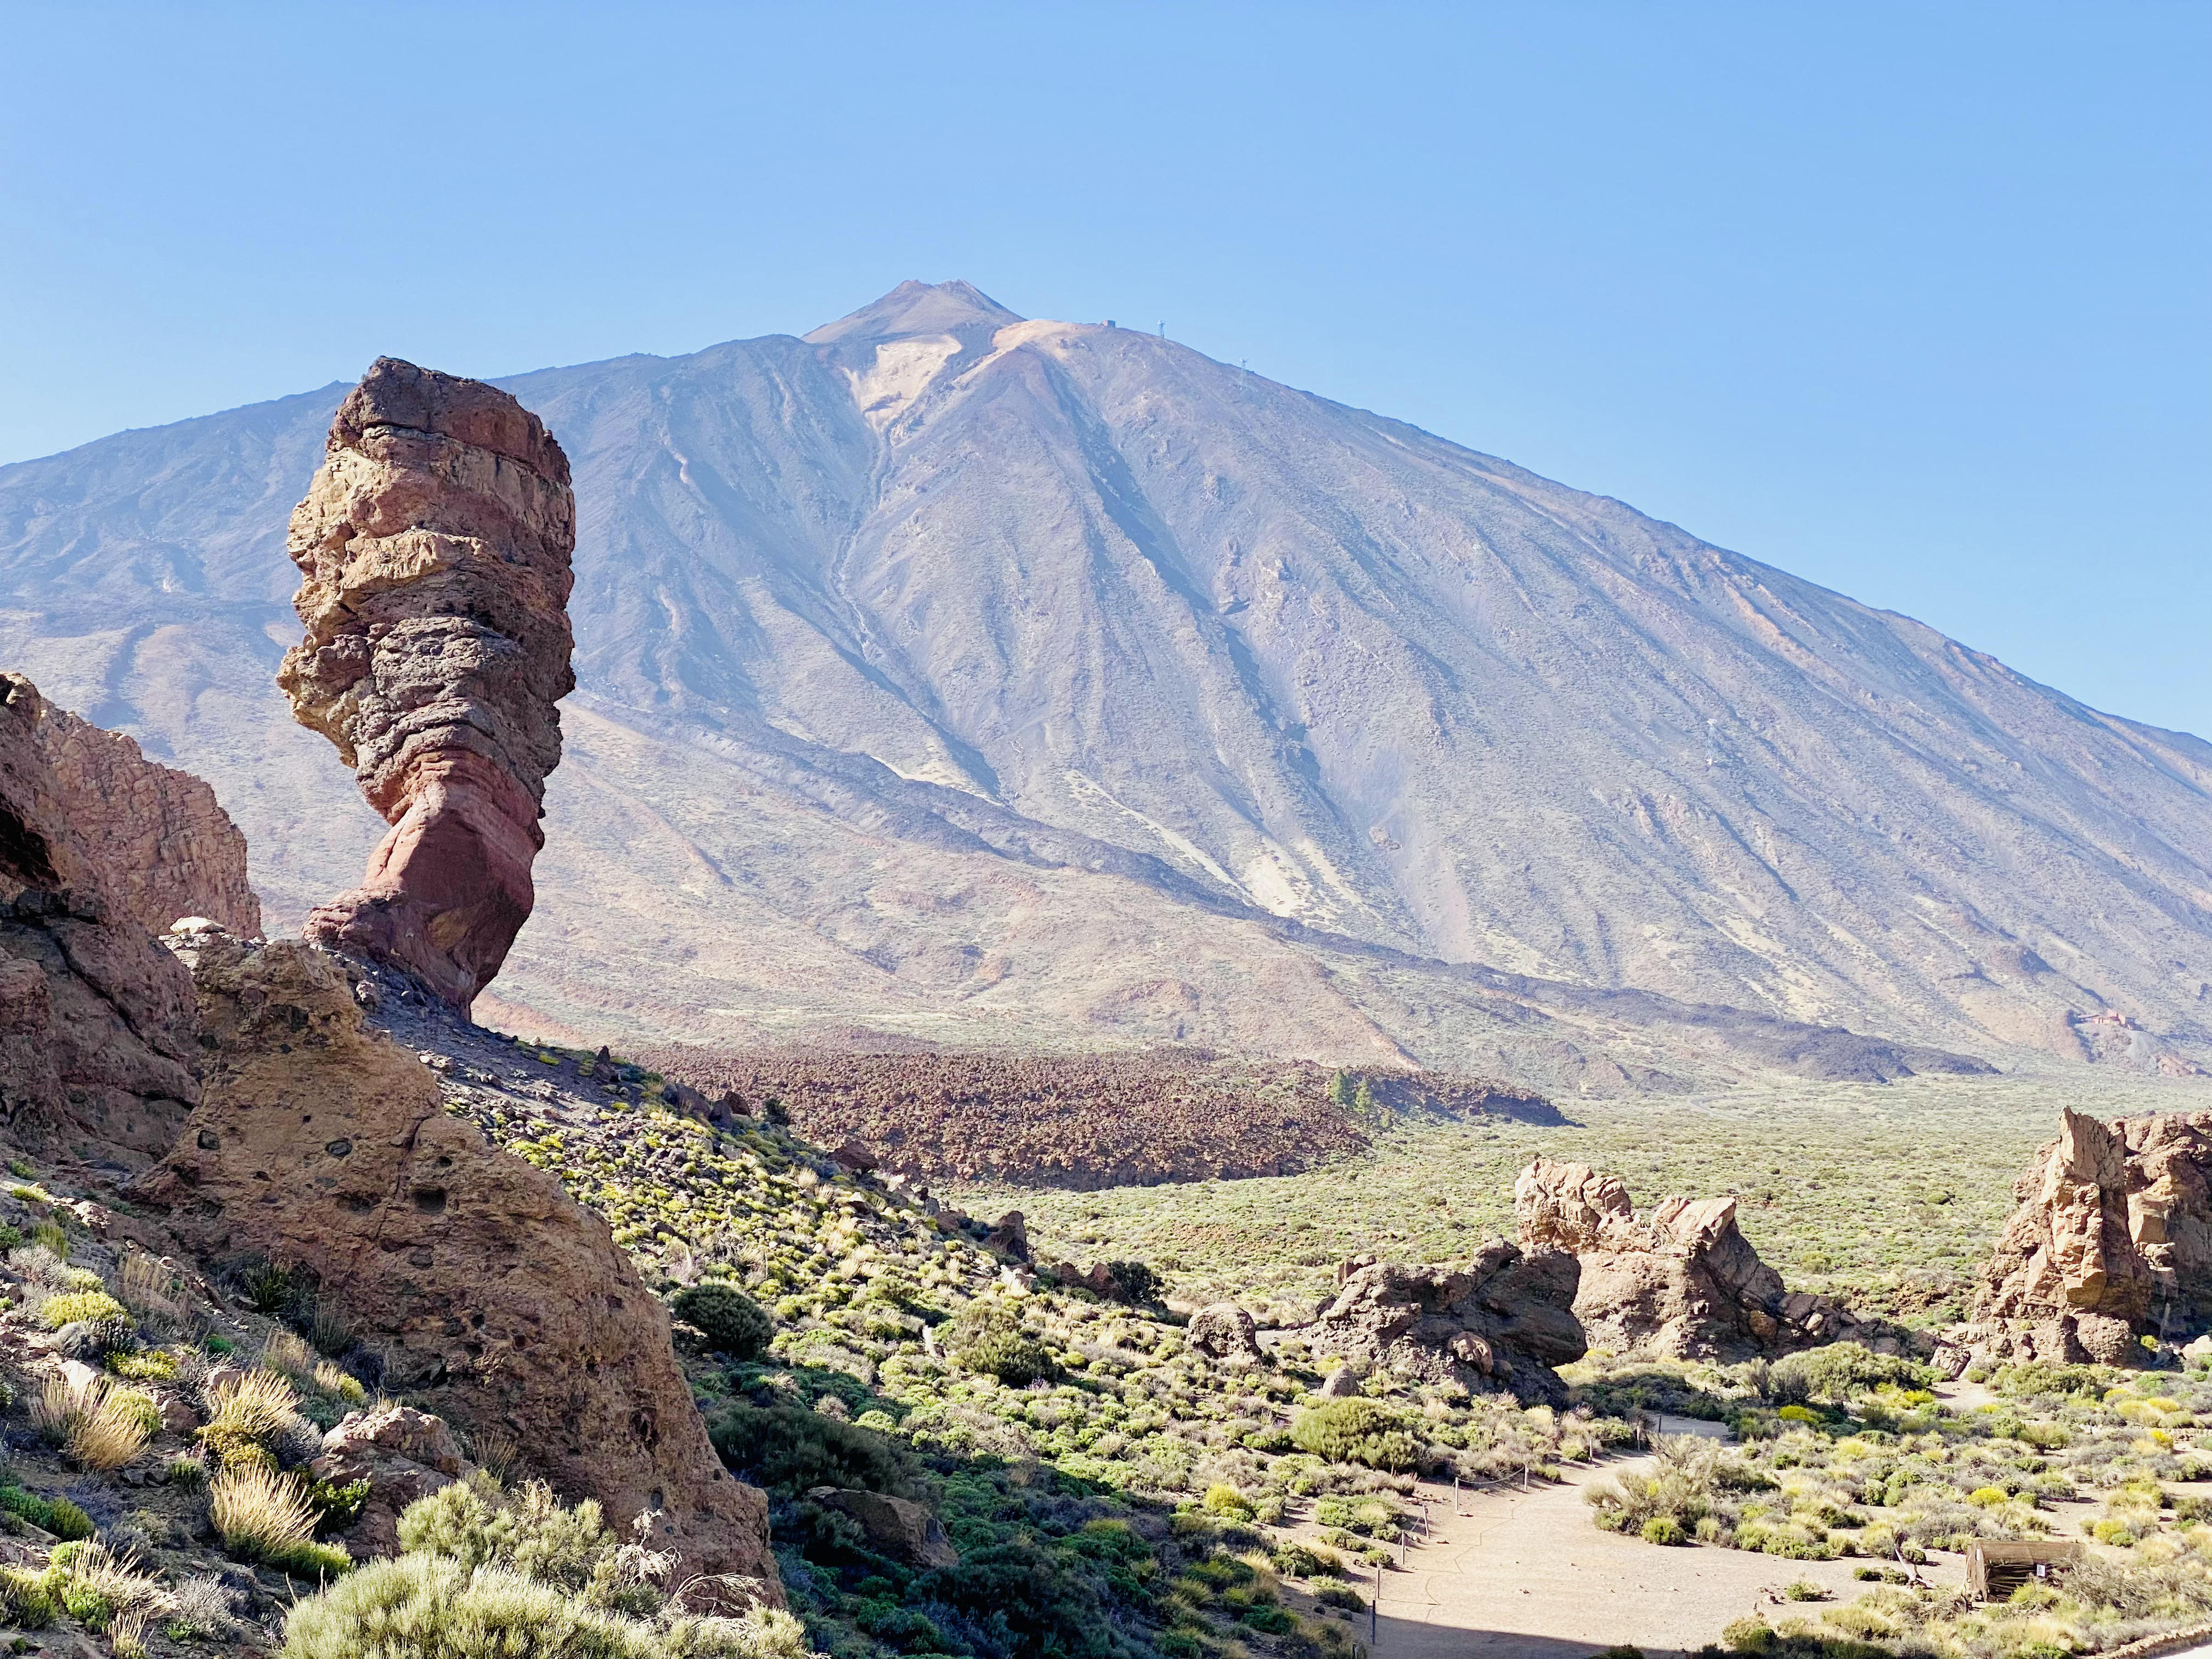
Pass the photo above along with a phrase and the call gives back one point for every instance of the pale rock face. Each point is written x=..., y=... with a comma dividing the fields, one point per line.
x=1070, y=688
x=2112, y=1242
x=433, y=550
x=1681, y=1282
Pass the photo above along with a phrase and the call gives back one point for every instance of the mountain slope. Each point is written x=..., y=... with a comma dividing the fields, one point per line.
x=984, y=679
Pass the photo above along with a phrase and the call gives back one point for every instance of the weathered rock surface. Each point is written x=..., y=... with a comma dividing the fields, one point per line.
x=1224, y=1332
x=2112, y=1242
x=1682, y=1282
x=433, y=549
x=898, y=1527
x=1009, y=1238
x=1502, y=1322
x=163, y=844
x=501, y=1304
x=403, y=1453
x=97, y=1023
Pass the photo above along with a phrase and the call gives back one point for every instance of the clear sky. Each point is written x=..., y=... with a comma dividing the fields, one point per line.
x=1909, y=299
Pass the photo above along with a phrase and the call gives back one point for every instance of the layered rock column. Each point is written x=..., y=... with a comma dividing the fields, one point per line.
x=433, y=549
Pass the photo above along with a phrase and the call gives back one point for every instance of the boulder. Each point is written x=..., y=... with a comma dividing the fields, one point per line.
x=1681, y=1282
x=896, y=1527
x=500, y=1303
x=1343, y=1380
x=403, y=1454
x=433, y=549
x=1502, y=1323
x=1224, y=1332
x=1009, y=1238
x=2112, y=1242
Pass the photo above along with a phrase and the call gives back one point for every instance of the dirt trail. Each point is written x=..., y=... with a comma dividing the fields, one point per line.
x=1527, y=1575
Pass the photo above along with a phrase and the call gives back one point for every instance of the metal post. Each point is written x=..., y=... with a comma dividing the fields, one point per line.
x=1375, y=1610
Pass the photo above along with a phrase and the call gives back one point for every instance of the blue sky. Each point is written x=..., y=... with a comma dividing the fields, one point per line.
x=1911, y=300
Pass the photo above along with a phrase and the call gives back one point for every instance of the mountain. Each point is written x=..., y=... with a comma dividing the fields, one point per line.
x=951, y=676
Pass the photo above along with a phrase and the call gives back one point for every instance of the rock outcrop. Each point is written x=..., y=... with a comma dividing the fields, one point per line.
x=1223, y=1331
x=163, y=844
x=2112, y=1242
x=98, y=1033
x=500, y=1303
x=433, y=549
x=1502, y=1323
x=1681, y=1282
x=898, y=1527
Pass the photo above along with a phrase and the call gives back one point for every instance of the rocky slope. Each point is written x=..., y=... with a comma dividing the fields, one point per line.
x=988, y=680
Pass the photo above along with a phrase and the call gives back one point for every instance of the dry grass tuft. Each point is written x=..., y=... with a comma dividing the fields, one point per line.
x=260, y=1512
x=256, y=1404
x=285, y=1353
x=114, y=1431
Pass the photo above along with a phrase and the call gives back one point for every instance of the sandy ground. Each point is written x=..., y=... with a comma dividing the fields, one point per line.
x=1526, y=1575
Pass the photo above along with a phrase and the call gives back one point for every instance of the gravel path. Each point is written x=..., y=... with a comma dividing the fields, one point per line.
x=1527, y=1575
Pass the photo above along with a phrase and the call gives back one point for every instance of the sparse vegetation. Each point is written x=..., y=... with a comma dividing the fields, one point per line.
x=485, y=1573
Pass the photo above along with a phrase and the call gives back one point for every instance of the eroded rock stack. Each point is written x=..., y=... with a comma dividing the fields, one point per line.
x=1681, y=1282
x=1502, y=1324
x=500, y=1303
x=97, y=1030
x=433, y=550
x=2112, y=1242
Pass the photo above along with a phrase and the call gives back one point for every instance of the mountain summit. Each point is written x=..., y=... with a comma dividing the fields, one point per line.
x=979, y=679
x=917, y=309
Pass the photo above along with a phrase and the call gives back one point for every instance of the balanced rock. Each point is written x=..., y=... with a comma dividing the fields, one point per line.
x=98, y=1032
x=500, y=1303
x=1502, y=1323
x=434, y=551
x=1681, y=1282
x=2112, y=1242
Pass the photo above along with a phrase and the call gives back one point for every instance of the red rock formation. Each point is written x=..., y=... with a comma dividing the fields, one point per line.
x=97, y=1027
x=2112, y=1242
x=165, y=847
x=1683, y=1282
x=501, y=1304
x=433, y=550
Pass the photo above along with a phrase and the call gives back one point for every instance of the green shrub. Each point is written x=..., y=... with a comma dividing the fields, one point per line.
x=1358, y=1431
x=49, y=1234
x=25, y=1599
x=71, y=1306
x=1841, y=1371
x=1026, y=1596
x=788, y=1449
x=432, y=1607
x=55, y=1514
x=987, y=1338
x=1663, y=1530
x=732, y=1321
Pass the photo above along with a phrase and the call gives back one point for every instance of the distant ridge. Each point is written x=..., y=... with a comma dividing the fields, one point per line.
x=975, y=680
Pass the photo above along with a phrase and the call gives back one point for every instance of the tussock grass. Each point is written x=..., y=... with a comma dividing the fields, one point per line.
x=265, y=1516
